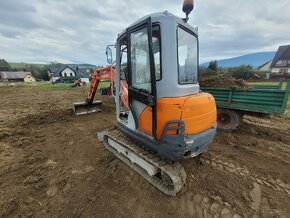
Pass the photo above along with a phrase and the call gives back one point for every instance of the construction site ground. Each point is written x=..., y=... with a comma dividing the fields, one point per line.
x=51, y=165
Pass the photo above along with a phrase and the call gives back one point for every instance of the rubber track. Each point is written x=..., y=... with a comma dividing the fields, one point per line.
x=173, y=169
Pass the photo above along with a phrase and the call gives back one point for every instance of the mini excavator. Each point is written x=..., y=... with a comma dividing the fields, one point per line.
x=162, y=116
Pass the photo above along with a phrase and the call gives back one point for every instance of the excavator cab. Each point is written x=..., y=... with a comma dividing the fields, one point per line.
x=166, y=112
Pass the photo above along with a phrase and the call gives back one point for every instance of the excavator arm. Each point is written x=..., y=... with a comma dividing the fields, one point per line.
x=93, y=88
x=101, y=74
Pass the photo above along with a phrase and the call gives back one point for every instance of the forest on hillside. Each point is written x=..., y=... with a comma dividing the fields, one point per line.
x=39, y=71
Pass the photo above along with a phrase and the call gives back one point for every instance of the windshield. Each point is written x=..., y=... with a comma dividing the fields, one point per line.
x=187, y=57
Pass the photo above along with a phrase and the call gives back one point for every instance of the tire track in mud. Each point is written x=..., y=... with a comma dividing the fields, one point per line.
x=219, y=163
x=199, y=205
x=279, y=151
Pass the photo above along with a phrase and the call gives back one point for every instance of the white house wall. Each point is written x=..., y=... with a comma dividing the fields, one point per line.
x=68, y=72
x=266, y=67
x=29, y=78
x=277, y=70
x=85, y=80
x=54, y=79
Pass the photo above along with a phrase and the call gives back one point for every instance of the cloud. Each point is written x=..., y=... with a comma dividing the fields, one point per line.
x=78, y=31
x=232, y=28
x=17, y=14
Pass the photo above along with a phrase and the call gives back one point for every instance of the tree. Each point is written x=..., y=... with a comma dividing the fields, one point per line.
x=206, y=72
x=213, y=65
x=241, y=72
x=4, y=66
x=55, y=64
x=39, y=71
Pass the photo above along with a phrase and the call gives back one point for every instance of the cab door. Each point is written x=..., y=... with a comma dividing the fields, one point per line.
x=141, y=77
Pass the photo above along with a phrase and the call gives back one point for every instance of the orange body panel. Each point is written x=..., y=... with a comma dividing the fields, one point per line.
x=197, y=111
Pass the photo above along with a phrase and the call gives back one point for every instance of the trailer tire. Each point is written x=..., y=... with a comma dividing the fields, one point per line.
x=228, y=120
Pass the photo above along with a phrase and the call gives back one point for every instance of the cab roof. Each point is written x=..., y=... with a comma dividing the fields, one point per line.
x=159, y=16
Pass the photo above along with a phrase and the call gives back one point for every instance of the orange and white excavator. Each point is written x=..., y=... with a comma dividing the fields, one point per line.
x=162, y=116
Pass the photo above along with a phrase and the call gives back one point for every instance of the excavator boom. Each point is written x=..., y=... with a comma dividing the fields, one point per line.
x=100, y=74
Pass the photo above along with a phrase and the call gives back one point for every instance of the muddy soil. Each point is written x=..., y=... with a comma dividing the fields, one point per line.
x=221, y=81
x=51, y=165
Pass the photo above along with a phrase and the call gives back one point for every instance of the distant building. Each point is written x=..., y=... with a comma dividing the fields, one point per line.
x=29, y=78
x=265, y=67
x=18, y=76
x=67, y=71
x=280, y=66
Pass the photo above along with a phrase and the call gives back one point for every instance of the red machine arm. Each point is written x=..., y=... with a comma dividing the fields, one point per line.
x=108, y=74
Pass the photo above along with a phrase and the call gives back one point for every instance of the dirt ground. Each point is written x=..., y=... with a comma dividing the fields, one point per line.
x=51, y=165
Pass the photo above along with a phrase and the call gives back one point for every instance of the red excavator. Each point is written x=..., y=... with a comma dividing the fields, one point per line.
x=102, y=74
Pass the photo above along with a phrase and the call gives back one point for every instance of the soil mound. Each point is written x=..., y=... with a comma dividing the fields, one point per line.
x=221, y=81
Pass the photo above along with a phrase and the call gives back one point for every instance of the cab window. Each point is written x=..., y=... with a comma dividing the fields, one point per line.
x=140, y=61
x=187, y=57
x=156, y=47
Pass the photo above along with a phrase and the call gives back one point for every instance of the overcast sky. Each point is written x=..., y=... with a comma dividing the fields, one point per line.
x=67, y=31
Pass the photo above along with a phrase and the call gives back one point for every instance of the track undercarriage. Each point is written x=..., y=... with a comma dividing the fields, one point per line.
x=169, y=177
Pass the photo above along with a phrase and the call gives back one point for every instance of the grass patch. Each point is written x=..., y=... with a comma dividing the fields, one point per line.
x=56, y=86
x=104, y=84
x=269, y=83
x=263, y=83
x=45, y=84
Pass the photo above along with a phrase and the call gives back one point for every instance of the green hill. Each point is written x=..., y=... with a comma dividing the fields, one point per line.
x=21, y=66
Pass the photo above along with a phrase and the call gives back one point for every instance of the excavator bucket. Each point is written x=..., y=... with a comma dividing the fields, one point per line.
x=81, y=108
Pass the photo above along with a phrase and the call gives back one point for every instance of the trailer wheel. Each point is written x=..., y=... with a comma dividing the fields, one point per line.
x=228, y=120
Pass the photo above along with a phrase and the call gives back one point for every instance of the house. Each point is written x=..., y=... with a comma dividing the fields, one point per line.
x=68, y=71
x=29, y=78
x=280, y=66
x=265, y=67
x=18, y=76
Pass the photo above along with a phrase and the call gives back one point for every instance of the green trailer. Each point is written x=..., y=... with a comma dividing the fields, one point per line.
x=269, y=86
x=234, y=104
